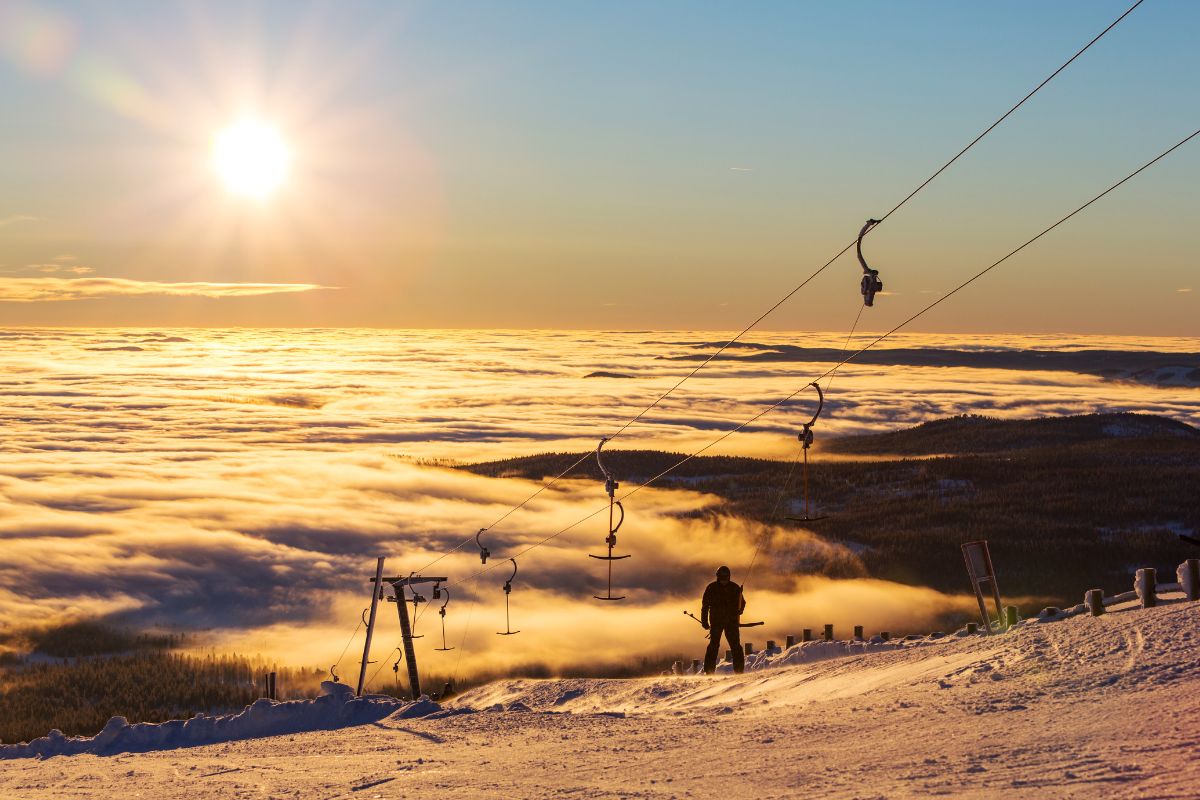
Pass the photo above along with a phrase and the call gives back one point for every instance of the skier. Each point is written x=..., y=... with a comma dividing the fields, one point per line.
x=720, y=609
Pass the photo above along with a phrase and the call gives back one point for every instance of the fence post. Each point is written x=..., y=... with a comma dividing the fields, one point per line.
x=829, y=633
x=1010, y=616
x=749, y=649
x=972, y=628
x=696, y=666
x=1189, y=578
x=858, y=632
x=1094, y=600
x=271, y=693
x=1145, y=583
x=770, y=645
x=806, y=634
x=729, y=655
x=790, y=641
x=885, y=635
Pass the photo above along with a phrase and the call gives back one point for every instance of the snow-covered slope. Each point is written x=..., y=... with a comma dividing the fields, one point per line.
x=1078, y=707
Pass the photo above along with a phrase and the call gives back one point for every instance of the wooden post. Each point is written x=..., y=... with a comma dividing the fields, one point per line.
x=362, y=672
x=696, y=666
x=1145, y=583
x=829, y=633
x=410, y=653
x=729, y=655
x=1188, y=574
x=265, y=691
x=972, y=628
x=858, y=632
x=791, y=641
x=271, y=693
x=807, y=634
x=749, y=649
x=677, y=668
x=770, y=645
x=885, y=635
x=1094, y=599
x=1010, y=616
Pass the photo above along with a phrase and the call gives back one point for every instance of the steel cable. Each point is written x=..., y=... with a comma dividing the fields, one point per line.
x=806, y=281
x=860, y=351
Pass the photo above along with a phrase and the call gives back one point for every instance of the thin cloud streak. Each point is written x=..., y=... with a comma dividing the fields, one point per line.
x=41, y=290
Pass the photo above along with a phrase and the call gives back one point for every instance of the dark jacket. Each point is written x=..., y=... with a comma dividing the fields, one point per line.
x=722, y=604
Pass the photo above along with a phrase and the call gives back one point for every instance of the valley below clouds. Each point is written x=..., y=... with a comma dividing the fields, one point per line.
x=238, y=484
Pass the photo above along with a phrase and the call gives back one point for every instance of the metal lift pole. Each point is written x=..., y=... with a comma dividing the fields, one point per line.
x=406, y=632
x=410, y=654
x=362, y=672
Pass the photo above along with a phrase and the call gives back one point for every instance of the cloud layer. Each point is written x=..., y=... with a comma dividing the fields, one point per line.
x=242, y=481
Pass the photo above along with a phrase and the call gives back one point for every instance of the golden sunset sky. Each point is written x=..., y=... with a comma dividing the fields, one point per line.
x=591, y=165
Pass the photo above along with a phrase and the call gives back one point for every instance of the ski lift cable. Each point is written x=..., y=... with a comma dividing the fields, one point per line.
x=806, y=437
x=895, y=208
x=846, y=345
x=383, y=663
x=462, y=644
x=1006, y=114
x=909, y=320
x=508, y=513
x=712, y=357
x=349, y=641
x=801, y=450
x=924, y=310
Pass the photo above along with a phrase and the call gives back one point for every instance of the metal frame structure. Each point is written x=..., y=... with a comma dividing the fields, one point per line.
x=398, y=584
x=979, y=567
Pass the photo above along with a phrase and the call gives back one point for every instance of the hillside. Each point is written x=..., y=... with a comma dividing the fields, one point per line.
x=962, y=716
x=975, y=434
x=1067, y=503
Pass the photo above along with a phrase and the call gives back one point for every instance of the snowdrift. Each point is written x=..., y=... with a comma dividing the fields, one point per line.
x=823, y=671
x=336, y=708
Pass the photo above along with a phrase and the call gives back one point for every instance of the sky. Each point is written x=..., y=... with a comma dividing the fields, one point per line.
x=596, y=165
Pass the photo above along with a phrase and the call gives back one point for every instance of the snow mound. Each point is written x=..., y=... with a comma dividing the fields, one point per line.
x=809, y=652
x=336, y=708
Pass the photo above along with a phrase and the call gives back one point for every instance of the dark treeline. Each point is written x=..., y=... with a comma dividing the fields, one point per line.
x=1066, y=504
x=89, y=638
x=79, y=691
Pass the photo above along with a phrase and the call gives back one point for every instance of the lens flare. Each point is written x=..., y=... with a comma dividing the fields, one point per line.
x=251, y=158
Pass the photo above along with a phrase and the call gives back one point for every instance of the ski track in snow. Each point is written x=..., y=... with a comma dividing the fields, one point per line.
x=1078, y=708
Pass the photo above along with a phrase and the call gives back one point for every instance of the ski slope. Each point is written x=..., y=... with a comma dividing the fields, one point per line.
x=1075, y=708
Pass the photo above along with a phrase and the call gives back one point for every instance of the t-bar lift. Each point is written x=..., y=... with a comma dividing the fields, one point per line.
x=398, y=584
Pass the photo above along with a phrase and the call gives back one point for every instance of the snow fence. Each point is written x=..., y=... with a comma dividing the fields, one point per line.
x=337, y=707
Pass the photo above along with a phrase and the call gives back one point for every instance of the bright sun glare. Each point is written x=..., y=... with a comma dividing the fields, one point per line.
x=251, y=158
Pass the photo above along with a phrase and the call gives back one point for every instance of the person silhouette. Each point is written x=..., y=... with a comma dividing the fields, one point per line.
x=720, y=611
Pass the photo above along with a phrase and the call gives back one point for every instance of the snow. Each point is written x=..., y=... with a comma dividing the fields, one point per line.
x=1064, y=705
x=336, y=708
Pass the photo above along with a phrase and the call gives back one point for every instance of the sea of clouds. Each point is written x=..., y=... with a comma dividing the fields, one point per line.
x=238, y=484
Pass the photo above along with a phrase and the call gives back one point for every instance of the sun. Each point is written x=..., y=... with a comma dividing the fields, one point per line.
x=251, y=158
